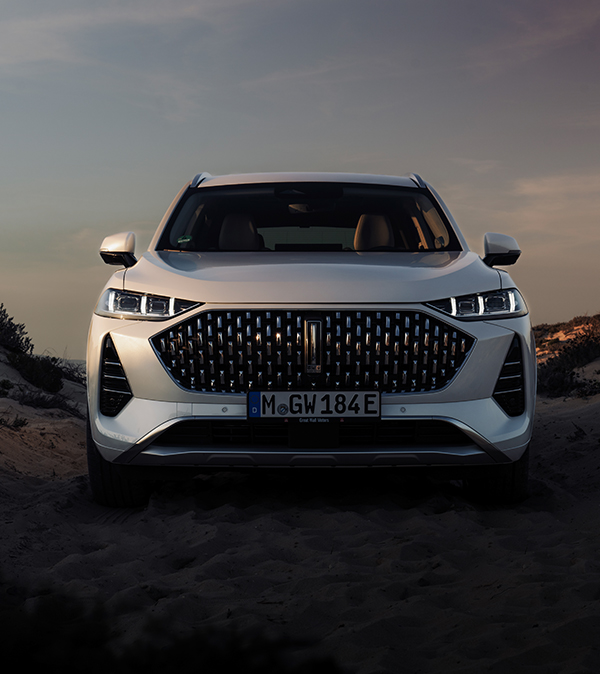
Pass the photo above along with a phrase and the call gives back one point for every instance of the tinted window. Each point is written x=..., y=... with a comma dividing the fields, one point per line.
x=307, y=216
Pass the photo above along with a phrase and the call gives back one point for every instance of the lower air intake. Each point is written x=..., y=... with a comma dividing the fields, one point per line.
x=348, y=434
x=510, y=387
x=114, y=387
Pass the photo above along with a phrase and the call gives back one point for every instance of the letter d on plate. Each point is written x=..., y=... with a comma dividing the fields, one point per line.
x=254, y=404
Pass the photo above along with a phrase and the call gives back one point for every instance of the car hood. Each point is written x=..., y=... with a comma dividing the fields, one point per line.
x=285, y=278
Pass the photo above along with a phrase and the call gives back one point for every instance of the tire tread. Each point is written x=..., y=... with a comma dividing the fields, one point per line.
x=109, y=484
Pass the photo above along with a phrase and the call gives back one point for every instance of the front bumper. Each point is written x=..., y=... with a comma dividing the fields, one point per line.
x=158, y=404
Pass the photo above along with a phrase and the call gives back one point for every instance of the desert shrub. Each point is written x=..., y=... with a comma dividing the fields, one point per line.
x=44, y=401
x=72, y=371
x=5, y=387
x=45, y=372
x=13, y=335
x=556, y=377
x=545, y=333
x=41, y=371
x=16, y=423
x=544, y=330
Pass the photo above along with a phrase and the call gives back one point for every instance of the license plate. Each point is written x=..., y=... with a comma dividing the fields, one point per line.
x=313, y=404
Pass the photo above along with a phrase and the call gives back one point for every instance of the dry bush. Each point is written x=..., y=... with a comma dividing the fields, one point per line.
x=44, y=372
x=41, y=371
x=44, y=401
x=13, y=336
x=557, y=376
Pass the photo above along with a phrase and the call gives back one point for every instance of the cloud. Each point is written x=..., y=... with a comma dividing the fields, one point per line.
x=336, y=69
x=150, y=53
x=480, y=166
x=580, y=119
x=562, y=208
x=532, y=30
x=553, y=189
x=48, y=38
x=556, y=213
x=52, y=36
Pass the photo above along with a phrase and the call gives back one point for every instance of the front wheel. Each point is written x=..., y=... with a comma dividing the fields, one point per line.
x=111, y=485
x=503, y=484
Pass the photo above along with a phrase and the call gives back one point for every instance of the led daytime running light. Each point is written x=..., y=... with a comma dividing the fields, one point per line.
x=124, y=304
x=481, y=306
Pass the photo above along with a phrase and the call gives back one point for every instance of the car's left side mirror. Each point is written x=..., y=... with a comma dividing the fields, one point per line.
x=500, y=249
x=119, y=249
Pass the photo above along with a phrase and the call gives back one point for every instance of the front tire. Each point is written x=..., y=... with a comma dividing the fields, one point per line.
x=111, y=485
x=503, y=484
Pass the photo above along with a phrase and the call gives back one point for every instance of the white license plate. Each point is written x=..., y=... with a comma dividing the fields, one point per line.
x=313, y=404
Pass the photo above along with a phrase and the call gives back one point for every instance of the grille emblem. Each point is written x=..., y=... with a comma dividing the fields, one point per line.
x=312, y=346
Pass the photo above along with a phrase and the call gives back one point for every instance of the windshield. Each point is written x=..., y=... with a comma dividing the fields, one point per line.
x=308, y=217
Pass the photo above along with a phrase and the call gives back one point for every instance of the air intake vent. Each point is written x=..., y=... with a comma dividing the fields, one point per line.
x=238, y=351
x=510, y=388
x=114, y=387
x=393, y=433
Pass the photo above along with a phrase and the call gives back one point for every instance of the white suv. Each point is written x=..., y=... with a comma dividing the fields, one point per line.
x=309, y=319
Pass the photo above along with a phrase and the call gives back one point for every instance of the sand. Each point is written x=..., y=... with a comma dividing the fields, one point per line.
x=382, y=572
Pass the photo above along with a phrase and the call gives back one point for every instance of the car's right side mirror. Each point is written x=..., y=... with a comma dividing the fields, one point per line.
x=119, y=249
x=500, y=249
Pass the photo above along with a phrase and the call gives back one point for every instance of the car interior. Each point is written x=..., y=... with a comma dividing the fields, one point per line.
x=285, y=222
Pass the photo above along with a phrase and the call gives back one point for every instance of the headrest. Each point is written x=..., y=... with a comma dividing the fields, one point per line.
x=373, y=231
x=238, y=233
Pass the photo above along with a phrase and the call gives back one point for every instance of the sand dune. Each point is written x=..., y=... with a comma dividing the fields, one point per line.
x=382, y=572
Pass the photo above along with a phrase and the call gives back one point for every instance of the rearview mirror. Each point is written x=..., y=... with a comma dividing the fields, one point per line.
x=500, y=249
x=119, y=249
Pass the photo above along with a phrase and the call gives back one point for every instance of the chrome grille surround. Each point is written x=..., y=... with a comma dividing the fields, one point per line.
x=234, y=351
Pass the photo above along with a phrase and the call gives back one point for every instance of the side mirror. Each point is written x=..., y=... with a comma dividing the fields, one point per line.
x=119, y=249
x=500, y=249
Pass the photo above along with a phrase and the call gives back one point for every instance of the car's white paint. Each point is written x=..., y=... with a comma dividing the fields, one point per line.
x=123, y=242
x=263, y=279
x=278, y=277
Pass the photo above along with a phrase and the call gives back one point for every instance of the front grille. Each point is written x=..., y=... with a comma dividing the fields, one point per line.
x=278, y=433
x=237, y=351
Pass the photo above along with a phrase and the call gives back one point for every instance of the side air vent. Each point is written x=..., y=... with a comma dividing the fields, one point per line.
x=510, y=387
x=114, y=387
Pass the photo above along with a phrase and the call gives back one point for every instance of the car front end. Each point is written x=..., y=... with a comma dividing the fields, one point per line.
x=296, y=351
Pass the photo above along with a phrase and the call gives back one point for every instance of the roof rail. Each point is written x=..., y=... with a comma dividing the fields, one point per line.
x=416, y=178
x=199, y=178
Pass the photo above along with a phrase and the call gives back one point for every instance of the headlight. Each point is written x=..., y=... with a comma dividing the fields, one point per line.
x=482, y=306
x=140, y=306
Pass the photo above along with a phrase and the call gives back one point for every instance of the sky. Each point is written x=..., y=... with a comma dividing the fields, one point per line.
x=109, y=107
